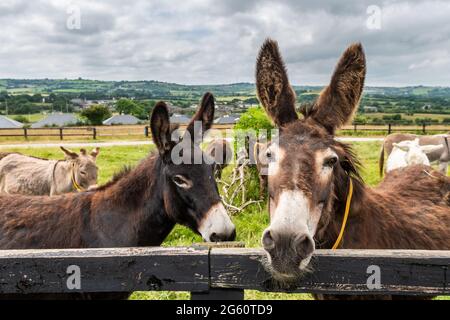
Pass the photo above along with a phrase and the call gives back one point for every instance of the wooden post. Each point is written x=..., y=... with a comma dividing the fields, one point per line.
x=60, y=133
x=389, y=128
x=94, y=133
x=25, y=133
x=219, y=293
x=355, y=127
x=146, y=131
x=423, y=128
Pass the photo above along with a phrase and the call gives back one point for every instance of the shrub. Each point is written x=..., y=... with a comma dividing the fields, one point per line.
x=254, y=118
x=96, y=113
x=21, y=119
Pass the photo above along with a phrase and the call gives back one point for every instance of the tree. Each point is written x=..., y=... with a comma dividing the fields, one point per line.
x=127, y=106
x=96, y=113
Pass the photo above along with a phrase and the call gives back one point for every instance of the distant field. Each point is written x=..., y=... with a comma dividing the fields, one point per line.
x=250, y=223
x=439, y=117
x=34, y=117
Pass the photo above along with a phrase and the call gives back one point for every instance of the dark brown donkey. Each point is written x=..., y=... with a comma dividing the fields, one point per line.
x=139, y=208
x=310, y=175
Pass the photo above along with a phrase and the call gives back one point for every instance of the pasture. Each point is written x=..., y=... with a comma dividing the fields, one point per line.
x=250, y=223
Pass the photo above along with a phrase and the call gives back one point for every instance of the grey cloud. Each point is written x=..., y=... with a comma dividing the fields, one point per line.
x=210, y=41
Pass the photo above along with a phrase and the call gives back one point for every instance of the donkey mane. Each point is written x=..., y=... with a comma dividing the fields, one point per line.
x=121, y=174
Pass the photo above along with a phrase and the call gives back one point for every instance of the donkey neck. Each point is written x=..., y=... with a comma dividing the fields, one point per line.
x=136, y=202
x=379, y=219
x=357, y=216
x=61, y=177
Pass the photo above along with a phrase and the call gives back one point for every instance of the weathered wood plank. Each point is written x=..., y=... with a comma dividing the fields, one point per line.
x=104, y=270
x=338, y=272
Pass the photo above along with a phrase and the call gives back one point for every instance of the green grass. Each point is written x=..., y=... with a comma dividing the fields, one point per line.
x=249, y=223
x=436, y=116
x=34, y=117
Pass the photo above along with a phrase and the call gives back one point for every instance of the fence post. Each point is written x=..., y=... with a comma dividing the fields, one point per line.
x=219, y=293
x=389, y=128
x=94, y=133
x=355, y=127
x=60, y=133
x=423, y=128
x=25, y=133
x=146, y=131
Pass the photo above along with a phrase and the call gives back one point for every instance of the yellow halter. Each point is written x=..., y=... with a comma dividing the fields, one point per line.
x=74, y=182
x=347, y=211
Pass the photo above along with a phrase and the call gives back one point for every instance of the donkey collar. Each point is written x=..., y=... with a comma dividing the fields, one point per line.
x=347, y=210
x=74, y=182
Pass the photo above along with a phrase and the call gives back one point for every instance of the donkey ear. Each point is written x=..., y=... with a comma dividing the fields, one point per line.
x=272, y=85
x=83, y=151
x=203, y=118
x=160, y=126
x=69, y=154
x=95, y=152
x=339, y=100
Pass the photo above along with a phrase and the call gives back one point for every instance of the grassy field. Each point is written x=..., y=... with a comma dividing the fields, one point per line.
x=433, y=116
x=249, y=223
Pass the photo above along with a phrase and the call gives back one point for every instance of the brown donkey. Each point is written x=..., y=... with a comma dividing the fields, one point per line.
x=139, y=208
x=311, y=174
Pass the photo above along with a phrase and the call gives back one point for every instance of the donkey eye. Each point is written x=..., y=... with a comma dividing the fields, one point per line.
x=268, y=154
x=83, y=173
x=182, y=182
x=330, y=162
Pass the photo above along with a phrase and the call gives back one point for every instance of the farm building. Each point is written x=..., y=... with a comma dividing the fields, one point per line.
x=7, y=123
x=121, y=119
x=56, y=120
x=179, y=119
x=228, y=119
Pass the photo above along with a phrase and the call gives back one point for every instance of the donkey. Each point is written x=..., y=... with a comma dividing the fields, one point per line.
x=442, y=155
x=21, y=174
x=312, y=176
x=407, y=152
x=139, y=208
x=261, y=161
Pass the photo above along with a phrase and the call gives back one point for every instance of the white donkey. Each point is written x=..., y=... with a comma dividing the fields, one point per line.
x=409, y=152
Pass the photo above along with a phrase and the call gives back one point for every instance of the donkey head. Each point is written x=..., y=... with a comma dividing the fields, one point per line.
x=83, y=168
x=308, y=167
x=190, y=192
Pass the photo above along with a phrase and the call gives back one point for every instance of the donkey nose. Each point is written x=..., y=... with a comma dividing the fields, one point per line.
x=301, y=244
x=267, y=240
x=218, y=237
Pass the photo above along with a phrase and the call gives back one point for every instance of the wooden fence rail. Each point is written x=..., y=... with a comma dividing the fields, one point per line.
x=144, y=131
x=219, y=272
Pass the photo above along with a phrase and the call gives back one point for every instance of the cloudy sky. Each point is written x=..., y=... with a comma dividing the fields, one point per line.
x=216, y=41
